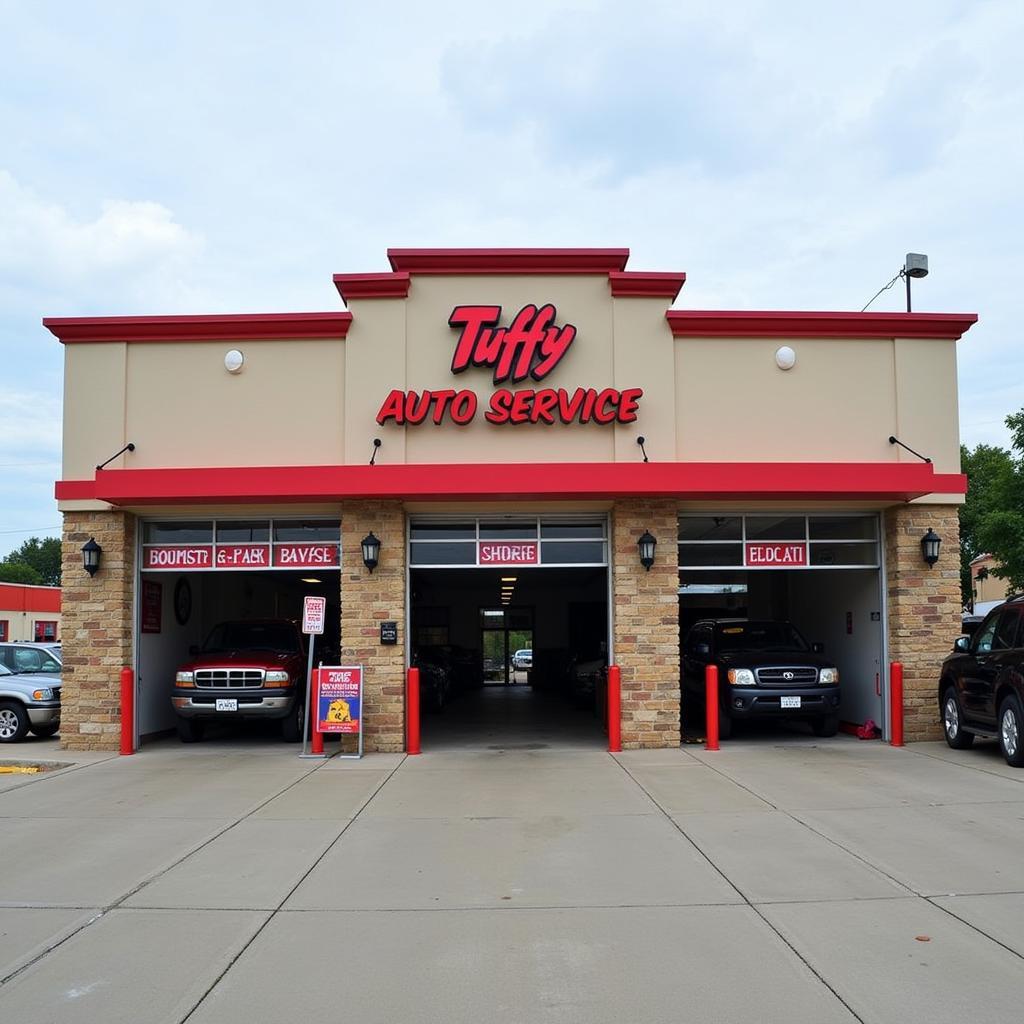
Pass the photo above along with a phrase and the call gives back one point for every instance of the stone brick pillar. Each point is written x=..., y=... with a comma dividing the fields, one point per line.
x=367, y=599
x=646, y=623
x=924, y=607
x=96, y=628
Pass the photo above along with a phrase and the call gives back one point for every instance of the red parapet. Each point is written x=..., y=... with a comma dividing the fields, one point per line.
x=716, y=323
x=896, y=704
x=711, y=706
x=412, y=711
x=508, y=261
x=204, y=327
x=614, y=709
x=127, y=711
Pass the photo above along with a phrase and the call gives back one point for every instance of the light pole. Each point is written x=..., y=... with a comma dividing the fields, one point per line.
x=915, y=266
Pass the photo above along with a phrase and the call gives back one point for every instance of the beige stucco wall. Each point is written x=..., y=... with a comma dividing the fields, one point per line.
x=315, y=402
x=22, y=625
x=180, y=407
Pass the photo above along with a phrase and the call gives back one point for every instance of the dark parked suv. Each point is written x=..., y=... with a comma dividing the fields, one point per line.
x=981, y=687
x=765, y=669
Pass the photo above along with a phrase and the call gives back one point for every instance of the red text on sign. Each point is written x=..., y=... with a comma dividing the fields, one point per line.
x=776, y=555
x=177, y=556
x=505, y=553
x=531, y=346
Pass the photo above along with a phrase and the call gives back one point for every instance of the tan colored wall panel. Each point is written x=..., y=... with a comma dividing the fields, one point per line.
x=94, y=390
x=927, y=417
x=837, y=404
x=425, y=363
x=284, y=408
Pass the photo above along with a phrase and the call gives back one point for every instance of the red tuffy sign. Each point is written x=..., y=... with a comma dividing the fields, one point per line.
x=530, y=347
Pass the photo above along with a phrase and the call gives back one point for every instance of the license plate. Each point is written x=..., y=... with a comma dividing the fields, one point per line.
x=787, y=702
x=231, y=704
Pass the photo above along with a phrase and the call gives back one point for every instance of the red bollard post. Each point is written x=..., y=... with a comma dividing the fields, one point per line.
x=127, y=711
x=316, y=740
x=412, y=711
x=614, y=709
x=711, y=706
x=896, y=704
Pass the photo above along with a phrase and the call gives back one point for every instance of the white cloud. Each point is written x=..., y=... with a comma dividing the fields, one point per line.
x=135, y=250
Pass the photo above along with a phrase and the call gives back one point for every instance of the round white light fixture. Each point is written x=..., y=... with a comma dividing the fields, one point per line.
x=233, y=361
x=785, y=358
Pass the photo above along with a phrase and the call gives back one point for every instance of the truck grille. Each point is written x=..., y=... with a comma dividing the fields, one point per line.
x=229, y=678
x=797, y=675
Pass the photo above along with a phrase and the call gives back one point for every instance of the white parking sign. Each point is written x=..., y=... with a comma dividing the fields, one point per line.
x=314, y=611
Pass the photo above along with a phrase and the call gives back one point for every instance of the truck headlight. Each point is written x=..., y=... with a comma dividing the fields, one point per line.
x=44, y=694
x=828, y=676
x=277, y=678
x=184, y=679
x=741, y=677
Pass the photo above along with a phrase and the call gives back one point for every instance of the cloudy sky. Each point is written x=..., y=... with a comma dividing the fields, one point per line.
x=229, y=157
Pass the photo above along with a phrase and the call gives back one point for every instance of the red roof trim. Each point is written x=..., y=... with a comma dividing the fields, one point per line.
x=372, y=286
x=235, y=326
x=888, y=481
x=639, y=283
x=29, y=597
x=707, y=323
x=508, y=261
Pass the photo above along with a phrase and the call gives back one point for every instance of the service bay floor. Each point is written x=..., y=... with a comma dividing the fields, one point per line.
x=779, y=879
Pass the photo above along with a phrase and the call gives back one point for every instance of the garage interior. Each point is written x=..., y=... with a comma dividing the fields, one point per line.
x=472, y=621
x=178, y=610
x=835, y=599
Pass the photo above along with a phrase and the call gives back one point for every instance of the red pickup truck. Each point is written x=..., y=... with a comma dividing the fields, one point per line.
x=253, y=669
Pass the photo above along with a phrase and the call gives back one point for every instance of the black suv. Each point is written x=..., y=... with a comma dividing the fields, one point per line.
x=981, y=688
x=765, y=669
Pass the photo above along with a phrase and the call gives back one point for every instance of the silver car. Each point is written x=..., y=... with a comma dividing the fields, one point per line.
x=29, y=695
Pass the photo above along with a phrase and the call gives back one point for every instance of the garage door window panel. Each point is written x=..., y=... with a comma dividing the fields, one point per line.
x=243, y=533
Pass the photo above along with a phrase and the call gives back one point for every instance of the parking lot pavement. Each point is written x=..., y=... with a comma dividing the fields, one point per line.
x=779, y=879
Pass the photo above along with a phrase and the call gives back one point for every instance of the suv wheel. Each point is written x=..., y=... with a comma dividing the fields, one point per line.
x=952, y=722
x=825, y=725
x=292, y=724
x=14, y=721
x=1011, y=732
x=724, y=725
x=190, y=730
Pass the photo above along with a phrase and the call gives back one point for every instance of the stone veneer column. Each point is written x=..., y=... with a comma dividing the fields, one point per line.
x=924, y=608
x=367, y=599
x=646, y=623
x=96, y=628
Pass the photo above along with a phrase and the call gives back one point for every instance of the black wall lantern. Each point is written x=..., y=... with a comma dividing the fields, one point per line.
x=371, y=551
x=646, y=544
x=930, y=547
x=91, y=552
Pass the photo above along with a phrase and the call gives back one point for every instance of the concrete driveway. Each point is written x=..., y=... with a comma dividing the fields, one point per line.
x=780, y=879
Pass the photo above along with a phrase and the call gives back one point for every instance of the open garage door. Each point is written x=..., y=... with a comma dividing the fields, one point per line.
x=820, y=572
x=509, y=628
x=219, y=607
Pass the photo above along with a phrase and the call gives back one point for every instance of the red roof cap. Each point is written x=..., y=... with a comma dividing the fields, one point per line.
x=240, y=326
x=508, y=261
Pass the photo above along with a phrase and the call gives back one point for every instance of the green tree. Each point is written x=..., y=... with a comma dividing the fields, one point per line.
x=992, y=518
x=42, y=557
x=18, y=572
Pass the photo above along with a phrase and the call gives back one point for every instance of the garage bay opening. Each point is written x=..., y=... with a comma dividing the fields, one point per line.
x=219, y=645
x=508, y=625
x=789, y=607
